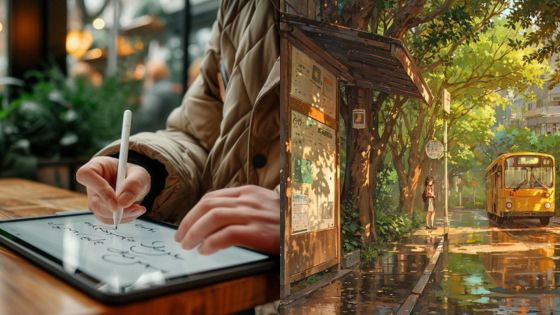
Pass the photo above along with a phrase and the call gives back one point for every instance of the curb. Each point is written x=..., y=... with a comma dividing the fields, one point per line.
x=408, y=305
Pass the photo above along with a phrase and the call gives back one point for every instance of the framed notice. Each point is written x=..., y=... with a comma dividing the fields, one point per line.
x=313, y=168
x=359, y=118
x=313, y=84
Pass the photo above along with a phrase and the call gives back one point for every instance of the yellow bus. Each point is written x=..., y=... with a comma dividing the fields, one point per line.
x=520, y=185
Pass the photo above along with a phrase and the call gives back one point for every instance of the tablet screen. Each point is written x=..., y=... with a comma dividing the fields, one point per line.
x=137, y=255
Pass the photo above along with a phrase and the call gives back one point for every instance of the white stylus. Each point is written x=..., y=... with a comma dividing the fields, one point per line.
x=123, y=157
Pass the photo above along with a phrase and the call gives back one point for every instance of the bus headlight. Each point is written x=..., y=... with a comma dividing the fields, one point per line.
x=547, y=205
x=509, y=205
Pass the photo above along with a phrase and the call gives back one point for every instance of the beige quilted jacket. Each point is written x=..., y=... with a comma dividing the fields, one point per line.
x=226, y=131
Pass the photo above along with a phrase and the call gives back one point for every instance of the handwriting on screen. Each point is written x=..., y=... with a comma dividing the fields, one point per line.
x=137, y=253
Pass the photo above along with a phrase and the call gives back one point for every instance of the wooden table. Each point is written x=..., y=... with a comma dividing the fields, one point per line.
x=28, y=289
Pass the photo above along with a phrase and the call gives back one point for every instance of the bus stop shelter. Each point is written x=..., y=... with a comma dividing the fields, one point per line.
x=318, y=58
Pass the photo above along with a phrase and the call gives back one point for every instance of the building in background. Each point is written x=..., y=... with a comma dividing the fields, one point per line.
x=541, y=114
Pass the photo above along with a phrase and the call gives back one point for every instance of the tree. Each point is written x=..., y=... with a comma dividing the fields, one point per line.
x=540, y=20
x=367, y=146
x=478, y=73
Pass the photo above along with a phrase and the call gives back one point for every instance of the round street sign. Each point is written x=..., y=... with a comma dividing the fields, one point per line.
x=434, y=149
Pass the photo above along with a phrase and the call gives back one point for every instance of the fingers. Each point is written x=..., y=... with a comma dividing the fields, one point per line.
x=208, y=203
x=229, y=236
x=246, y=215
x=90, y=176
x=129, y=214
x=98, y=175
x=265, y=238
x=211, y=222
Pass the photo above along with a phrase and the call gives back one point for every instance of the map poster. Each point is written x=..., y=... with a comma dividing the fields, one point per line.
x=313, y=84
x=313, y=173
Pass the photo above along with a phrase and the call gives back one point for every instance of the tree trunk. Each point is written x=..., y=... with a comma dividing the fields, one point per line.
x=409, y=190
x=408, y=182
x=346, y=116
x=360, y=168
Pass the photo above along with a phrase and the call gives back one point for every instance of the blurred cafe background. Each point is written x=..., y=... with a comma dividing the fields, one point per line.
x=68, y=69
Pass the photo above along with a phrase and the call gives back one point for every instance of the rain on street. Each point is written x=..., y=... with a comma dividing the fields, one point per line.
x=485, y=269
x=507, y=269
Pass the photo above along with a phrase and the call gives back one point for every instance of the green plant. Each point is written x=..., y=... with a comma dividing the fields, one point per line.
x=386, y=188
x=392, y=226
x=350, y=225
x=61, y=117
x=371, y=251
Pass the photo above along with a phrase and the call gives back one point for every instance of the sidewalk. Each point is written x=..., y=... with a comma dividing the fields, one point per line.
x=380, y=287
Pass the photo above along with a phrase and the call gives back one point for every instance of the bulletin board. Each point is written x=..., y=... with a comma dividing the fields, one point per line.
x=310, y=163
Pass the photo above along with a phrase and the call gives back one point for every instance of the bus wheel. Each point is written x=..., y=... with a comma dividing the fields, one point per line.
x=545, y=221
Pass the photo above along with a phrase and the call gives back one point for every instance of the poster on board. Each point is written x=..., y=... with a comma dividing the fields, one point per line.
x=313, y=173
x=313, y=84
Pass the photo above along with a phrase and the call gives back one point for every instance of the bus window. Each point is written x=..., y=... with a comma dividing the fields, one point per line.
x=542, y=177
x=518, y=176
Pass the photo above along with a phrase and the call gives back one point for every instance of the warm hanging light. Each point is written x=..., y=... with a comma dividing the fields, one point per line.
x=98, y=24
x=78, y=43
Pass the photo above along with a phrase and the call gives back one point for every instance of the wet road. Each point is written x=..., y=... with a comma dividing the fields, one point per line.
x=489, y=269
x=375, y=288
x=486, y=269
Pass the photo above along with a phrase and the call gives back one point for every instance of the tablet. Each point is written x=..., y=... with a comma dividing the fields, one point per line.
x=134, y=262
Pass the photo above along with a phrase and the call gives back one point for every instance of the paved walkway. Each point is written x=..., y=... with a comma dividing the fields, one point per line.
x=376, y=288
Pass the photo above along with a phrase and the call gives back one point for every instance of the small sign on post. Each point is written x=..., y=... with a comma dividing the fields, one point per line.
x=359, y=118
x=434, y=149
x=446, y=102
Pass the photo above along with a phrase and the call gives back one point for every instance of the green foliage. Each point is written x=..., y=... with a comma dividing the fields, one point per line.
x=392, y=226
x=540, y=18
x=452, y=26
x=371, y=251
x=385, y=193
x=67, y=118
x=350, y=225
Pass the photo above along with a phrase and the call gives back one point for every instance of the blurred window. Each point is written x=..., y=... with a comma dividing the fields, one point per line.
x=150, y=46
x=150, y=31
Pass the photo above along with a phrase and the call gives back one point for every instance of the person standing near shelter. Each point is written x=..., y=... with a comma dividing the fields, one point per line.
x=215, y=169
x=429, y=196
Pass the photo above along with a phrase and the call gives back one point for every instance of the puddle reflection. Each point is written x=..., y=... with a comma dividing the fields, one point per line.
x=509, y=269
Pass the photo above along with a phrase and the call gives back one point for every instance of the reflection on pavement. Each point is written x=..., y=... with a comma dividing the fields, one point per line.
x=509, y=269
x=485, y=269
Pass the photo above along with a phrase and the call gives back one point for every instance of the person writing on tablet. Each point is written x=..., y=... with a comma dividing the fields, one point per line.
x=215, y=169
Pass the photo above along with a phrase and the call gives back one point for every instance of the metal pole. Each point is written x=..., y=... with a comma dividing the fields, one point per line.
x=446, y=207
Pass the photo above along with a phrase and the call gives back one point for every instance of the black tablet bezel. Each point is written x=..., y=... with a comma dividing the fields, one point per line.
x=87, y=283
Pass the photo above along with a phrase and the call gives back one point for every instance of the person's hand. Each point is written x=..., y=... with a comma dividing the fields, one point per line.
x=247, y=216
x=99, y=176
